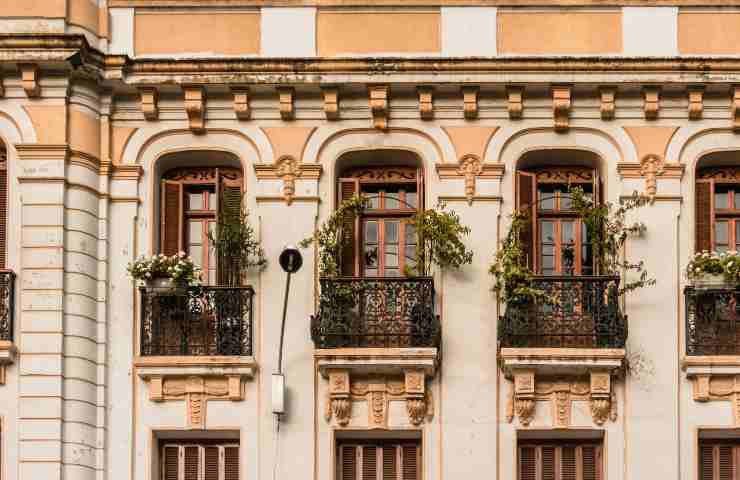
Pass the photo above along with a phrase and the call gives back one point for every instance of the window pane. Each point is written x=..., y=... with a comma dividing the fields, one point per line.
x=371, y=232
x=721, y=197
x=212, y=276
x=391, y=231
x=568, y=232
x=566, y=203
x=412, y=200
x=721, y=233
x=546, y=198
x=410, y=234
x=373, y=197
x=371, y=272
x=392, y=272
x=737, y=234
x=391, y=200
x=547, y=231
x=371, y=256
x=195, y=234
x=391, y=256
x=195, y=201
x=196, y=251
x=211, y=200
x=410, y=254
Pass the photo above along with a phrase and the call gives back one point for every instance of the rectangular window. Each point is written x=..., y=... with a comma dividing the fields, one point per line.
x=717, y=212
x=386, y=460
x=550, y=460
x=200, y=461
x=719, y=460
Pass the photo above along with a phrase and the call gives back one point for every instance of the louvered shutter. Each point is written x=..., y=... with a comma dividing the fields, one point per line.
x=370, y=463
x=171, y=463
x=527, y=463
x=192, y=463
x=171, y=230
x=390, y=461
x=411, y=463
x=706, y=462
x=559, y=462
x=568, y=464
x=548, y=463
x=704, y=212
x=230, y=208
x=231, y=463
x=3, y=205
x=347, y=463
x=420, y=189
x=211, y=463
x=350, y=259
x=591, y=459
x=526, y=187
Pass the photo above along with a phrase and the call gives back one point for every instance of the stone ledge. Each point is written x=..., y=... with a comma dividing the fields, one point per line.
x=711, y=365
x=377, y=360
x=553, y=361
x=7, y=357
x=176, y=366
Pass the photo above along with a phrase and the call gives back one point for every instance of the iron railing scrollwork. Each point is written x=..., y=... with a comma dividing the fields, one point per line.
x=7, y=304
x=376, y=312
x=200, y=321
x=581, y=312
x=712, y=321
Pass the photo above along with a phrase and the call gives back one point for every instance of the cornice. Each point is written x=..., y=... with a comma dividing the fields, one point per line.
x=416, y=3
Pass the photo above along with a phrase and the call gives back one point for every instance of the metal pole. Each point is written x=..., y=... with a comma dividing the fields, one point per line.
x=282, y=326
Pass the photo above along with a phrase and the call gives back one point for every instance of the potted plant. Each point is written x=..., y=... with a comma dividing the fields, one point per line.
x=714, y=270
x=165, y=273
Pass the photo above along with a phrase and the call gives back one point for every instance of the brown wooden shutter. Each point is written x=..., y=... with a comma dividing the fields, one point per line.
x=347, y=463
x=390, y=467
x=527, y=463
x=3, y=206
x=725, y=462
x=591, y=459
x=420, y=189
x=411, y=464
x=548, y=463
x=171, y=230
x=231, y=463
x=211, y=463
x=230, y=208
x=170, y=463
x=370, y=463
x=568, y=464
x=526, y=195
x=704, y=211
x=350, y=258
x=192, y=462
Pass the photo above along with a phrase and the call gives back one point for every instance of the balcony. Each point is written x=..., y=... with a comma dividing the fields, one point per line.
x=7, y=309
x=712, y=322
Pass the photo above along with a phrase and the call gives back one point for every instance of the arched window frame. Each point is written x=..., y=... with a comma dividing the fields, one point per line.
x=717, y=208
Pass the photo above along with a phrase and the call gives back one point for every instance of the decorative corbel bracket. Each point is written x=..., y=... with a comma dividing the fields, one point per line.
x=241, y=103
x=339, y=403
x=736, y=108
x=288, y=168
x=696, y=102
x=379, y=105
x=331, y=102
x=149, y=102
x=652, y=166
x=470, y=102
x=715, y=378
x=603, y=407
x=287, y=102
x=651, y=102
x=561, y=107
x=608, y=102
x=524, y=396
x=195, y=107
x=426, y=102
x=515, y=99
x=470, y=167
x=30, y=79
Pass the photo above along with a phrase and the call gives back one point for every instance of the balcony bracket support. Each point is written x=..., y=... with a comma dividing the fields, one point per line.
x=715, y=378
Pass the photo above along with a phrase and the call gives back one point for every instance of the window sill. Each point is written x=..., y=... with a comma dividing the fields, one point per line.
x=377, y=360
x=177, y=366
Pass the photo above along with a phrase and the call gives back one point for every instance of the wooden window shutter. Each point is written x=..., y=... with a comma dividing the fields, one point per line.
x=559, y=462
x=211, y=463
x=527, y=463
x=411, y=462
x=191, y=465
x=704, y=212
x=171, y=230
x=3, y=205
x=420, y=189
x=370, y=463
x=568, y=469
x=591, y=461
x=230, y=208
x=347, y=463
x=350, y=258
x=390, y=463
x=231, y=463
x=171, y=463
x=718, y=461
x=548, y=466
x=526, y=194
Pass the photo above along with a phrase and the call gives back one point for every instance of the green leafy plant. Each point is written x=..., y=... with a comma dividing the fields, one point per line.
x=236, y=246
x=726, y=264
x=178, y=267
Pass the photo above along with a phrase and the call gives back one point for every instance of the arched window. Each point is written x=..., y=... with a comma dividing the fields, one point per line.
x=192, y=201
x=718, y=202
x=384, y=244
x=556, y=242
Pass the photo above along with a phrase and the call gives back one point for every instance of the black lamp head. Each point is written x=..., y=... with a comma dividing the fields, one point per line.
x=291, y=259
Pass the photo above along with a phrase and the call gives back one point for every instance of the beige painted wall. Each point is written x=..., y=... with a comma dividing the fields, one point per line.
x=33, y=8
x=708, y=32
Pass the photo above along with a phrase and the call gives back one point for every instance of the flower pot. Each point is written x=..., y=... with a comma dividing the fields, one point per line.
x=711, y=280
x=165, y=285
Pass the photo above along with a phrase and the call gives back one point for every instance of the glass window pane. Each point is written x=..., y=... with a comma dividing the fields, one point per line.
x=721, y=233
x=391, y=256
x=410, y=234
x=721, y=198
x=547, y=231
x=211, y=277
x=196, y=251
x=195, y=233
x=546, y=198
x=211, y=200
x=391, y=231
x=548, y=250
x=568, y=231
x=371, y=256
x=195, y=201
x=371, y=232
x=548, y=262
x=410, y=254
x=566, y=202
x=412, y=200
x=392, y=272
x=371, y=272
x=392, y=200
x=737, y=234
x=373, y=197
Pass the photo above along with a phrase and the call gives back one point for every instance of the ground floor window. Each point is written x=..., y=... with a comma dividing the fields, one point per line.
x=719, y=460
x=200, y=460
x=378, y=460
x=561, y=460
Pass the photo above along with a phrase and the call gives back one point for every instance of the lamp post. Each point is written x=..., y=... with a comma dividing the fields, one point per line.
x=291, y=261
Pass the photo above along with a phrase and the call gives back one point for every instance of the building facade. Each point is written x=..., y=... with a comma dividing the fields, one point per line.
x=127, y=126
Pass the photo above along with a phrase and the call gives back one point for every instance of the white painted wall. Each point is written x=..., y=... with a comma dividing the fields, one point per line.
x=650, y=31
x=288, y=32
x=468, y=31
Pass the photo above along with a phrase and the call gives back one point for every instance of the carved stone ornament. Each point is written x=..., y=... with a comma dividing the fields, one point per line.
x=197, y=391
x=377, y=391
x=708, y=388
x=379, y=98
x=30, y=79
x=2, y=85
x=287, y=106
x=651, y=102
x=470, y=167
x=288, y=168
x=561, y=107
x=515, y=95
x=470, y=102
x=651, y=166
x=426, y=102
x=736, y=108
x=696, y=102
x=241, y=103
x=560, y=393
x=149, y=102
x=331, y=103
x=195, y=107
x=608, y=102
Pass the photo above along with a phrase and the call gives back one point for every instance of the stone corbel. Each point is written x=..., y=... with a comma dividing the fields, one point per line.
x=524, y=397
x=149, y=102
x=696, y=102
x=416, y=405
x=470, y=167
x=331, y=103
x=241, y=103
x=601, y=398
x=470, y=102
x=288, y=169
x=651, y=102
x=608, y=102
x=7, y=357
x=515, y=96
x=561, y=107
x=736, y=108
x=651, y=166
x=287, y=102
x=30, y=79
x=195, y=107
x=426, y=102
x=339, y=403
x=379, y=100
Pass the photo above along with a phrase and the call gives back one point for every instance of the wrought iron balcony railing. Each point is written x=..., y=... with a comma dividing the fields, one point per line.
x=712, y=321
x=581, y=312
x=204, y=321
x=7, y=304
x=376, y=312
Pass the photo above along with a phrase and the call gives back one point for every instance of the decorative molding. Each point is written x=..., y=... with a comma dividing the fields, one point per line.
x=241, y=103
x=149, y=102
x=339, y=403
x=331, y=102
x=515, y=99
x=651, y=102
x=652, y=166
x=30, y=79
x=726, y=173
x=608, y=106
x=195, y=107
x=528, y=389
x=288, y=169
x=379, y=105
x=470, y=167
x=7, y=357
x=426, y=102
x=126, y=172
x=287, y=102
x=709, y=387
x=696, y=102
x=736, y=108
x=561, y=107
x=635, y=170
x=470, y=102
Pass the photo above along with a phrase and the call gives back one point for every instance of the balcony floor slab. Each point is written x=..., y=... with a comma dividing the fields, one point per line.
x=557, y=361
x=177, y=366
x=377, y=360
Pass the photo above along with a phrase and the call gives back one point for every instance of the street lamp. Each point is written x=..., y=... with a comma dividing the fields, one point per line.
x=291, y=261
